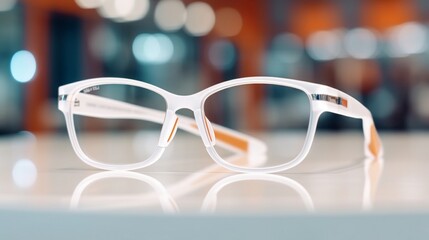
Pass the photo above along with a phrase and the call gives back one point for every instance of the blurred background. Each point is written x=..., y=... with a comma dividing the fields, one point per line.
x=375, y=50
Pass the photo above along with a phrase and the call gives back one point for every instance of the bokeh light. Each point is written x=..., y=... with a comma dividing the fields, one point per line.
x=153, y=48
x=287, y=48
x=406, y=39
x=222, y=54
x=170, y=15
x=124, y=7
x=124, y=10
x=23, y=66
x=138, y=11
x=361, y=43
x=228, y=22
x=88, y=4
x=284, y=55
x=413, y=38
x=200, y=19
x=24, y=173
x=107, y=9
x=324, y=46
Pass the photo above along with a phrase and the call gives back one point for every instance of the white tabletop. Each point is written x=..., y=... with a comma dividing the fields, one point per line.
x=42, y=176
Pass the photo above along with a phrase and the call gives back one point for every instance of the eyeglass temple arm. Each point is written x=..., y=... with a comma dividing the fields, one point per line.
x=335, y=101
x=101, y=107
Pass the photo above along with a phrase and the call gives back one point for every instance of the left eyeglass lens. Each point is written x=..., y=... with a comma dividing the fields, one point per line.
x=118, y=124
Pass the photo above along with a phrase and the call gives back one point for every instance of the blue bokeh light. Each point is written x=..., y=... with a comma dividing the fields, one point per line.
x=153, y=48
x=23, y=66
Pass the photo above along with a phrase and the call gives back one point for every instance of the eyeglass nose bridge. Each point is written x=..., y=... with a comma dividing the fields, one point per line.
x=199, y=125
x=177, y=102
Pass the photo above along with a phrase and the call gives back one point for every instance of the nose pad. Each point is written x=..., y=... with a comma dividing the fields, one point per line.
x=210, y=131
x=169, y=129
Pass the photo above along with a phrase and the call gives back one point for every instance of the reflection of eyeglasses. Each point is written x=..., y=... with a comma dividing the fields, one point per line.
x=210, y=201
x=123, y=124
x=168, y=203
x=166, y=197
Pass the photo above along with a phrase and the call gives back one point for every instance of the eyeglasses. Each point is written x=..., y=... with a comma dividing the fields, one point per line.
x=124, y=124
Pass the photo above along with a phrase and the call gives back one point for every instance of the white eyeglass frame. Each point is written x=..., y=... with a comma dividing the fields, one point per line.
x=322, y=99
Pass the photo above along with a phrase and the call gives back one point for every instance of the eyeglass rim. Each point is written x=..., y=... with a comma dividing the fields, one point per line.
x=158, y=151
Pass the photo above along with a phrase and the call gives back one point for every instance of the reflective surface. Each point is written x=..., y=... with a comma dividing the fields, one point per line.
x=43, y=173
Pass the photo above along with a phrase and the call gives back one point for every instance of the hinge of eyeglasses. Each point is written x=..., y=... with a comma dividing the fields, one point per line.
x=62, y=97
x=333, y=99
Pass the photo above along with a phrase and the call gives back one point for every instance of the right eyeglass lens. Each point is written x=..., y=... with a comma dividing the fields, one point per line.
x=118, y=124
x=274, y=115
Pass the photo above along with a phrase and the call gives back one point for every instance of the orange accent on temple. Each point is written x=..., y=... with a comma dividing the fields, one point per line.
x=231, y=140
x=207, y=129
x=227, y=138
x=344, y=102
x=172, y=130
x=374, y=144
